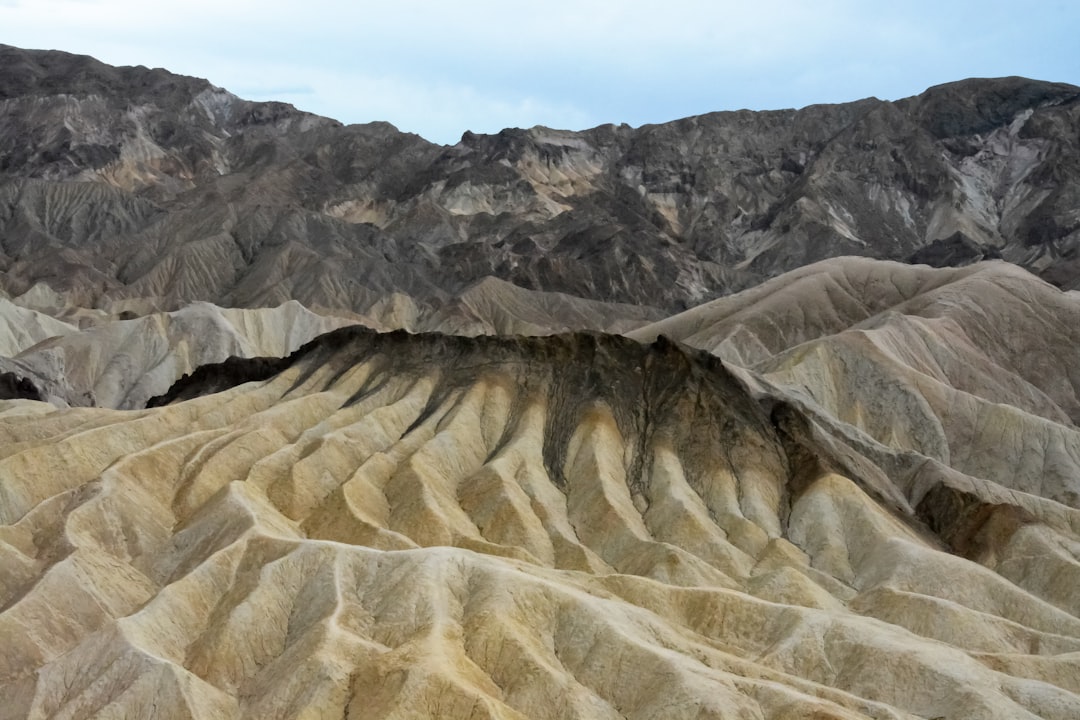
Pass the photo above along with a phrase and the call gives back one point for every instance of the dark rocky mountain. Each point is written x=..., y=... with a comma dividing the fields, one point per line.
x=137, y=189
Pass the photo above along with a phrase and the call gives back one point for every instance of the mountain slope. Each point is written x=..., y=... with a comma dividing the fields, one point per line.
x=21, y=328
x=571, y=526
x=128, y=185
x=123, y=363
x=989, y=330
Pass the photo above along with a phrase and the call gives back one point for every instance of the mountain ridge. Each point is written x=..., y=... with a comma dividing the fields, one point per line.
x=208, y=197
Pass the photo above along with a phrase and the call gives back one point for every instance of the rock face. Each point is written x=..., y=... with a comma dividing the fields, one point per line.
x=581, y=526
x=138, y=189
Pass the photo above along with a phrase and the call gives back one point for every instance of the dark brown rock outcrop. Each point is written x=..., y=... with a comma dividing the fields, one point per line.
x=168, y=189
x=16, y=387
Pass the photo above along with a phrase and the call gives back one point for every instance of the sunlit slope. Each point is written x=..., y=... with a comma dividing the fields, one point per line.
x=400, y=526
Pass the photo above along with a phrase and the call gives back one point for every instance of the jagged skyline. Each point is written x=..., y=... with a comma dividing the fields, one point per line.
x=482, y=66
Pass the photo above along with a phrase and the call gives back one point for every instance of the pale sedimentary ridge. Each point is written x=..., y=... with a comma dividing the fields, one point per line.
x=21, y=328
x=392, y=526
x=976, y=368
x=122, y=363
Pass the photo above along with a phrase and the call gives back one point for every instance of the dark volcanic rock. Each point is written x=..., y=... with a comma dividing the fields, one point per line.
x=215, y=377
x=16, y=387
x=954, y=251
x=119, y=183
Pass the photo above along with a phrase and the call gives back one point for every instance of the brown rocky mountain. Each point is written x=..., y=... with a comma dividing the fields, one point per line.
x=849, y=490
x=139, y=189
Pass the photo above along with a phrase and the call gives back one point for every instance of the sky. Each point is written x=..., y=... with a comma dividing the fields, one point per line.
x=440, y=68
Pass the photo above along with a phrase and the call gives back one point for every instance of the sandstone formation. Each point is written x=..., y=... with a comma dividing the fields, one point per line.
x=949, y=363
x=395, y=525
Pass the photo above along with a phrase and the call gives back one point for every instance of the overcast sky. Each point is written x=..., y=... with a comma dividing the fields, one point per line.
x=439, y=69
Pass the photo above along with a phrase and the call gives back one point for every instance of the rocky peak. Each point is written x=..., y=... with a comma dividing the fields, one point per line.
x=980, y=105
